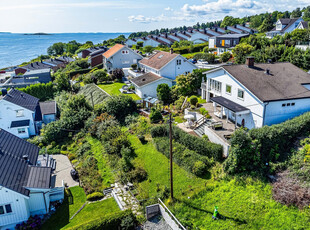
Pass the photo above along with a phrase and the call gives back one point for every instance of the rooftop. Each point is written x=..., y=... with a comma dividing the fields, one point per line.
x=145, y=79
x=22, y=99
x=284, y=81
x=159, y=59
x=113, y=50
x=48, y=107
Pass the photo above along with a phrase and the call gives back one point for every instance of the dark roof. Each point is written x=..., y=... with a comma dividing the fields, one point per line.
x=53, y=61
x=48, y=107
x=22, y=99
x=35, y=66
x=39, y=177
x=285, y=21
x=100, y=51
x=159, y=59
x=232, y=106
x=14, y=170
x=22, y=123
x=145, y=79
x=305, y=24
x=285, y=80
x=65, y=59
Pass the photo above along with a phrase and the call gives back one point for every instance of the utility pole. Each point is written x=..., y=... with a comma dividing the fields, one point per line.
x=92, y=100
x=171, y=158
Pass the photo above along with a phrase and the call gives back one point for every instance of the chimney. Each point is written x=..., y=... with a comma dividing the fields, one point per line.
x=250, y=62
x=22, y=95
x=25, y=157
x=235, y=26
x=267, y=71
x=171, y=51
x=215, y=29
x=31, y=64
x=204, y=31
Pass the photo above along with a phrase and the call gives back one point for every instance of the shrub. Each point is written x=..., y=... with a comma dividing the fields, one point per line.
x=137, y=175
x=155, y=116
x=196, y=144
x=34, y=222
x=183, y=156
x=225, y=56
x=108, y=222
x=134, y=66
x=71, y=156
x=95, y=196
x=209, y=57
x=193, y=100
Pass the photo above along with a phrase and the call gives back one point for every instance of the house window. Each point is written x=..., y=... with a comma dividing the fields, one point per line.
x=227, y=42
x=5, y=209
x=21, y=130
x=288, y=104
x=240, y=94
x=283, y=105
x=228, y=89
x=20, y=113
x=187, y=72
x=179, y=62
x=125, y=51
x=215, y=85
x=293, y=104
x=125, y=62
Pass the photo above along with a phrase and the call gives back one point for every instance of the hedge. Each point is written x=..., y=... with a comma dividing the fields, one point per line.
x=95, y=196
x=193, y=143
x=109, y=222
x=188, y=159
x=80, y=71
x=186, y=49
x=265, y=145
x=42, y=91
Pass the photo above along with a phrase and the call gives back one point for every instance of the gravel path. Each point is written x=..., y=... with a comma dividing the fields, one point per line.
x=156, y=223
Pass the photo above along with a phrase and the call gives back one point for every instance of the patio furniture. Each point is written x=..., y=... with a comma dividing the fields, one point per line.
x=217, y=125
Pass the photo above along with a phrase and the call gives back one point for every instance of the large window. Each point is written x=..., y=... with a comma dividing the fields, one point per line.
x=179, y=62
x=5, y=209
x=215, y=85
x=228, y=89
x=20, y=113
x=240, y=94
x=125, y=51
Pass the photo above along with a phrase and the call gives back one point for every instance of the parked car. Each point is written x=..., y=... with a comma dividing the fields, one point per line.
x=201, y=61
x=193, y=60
x=2, y=71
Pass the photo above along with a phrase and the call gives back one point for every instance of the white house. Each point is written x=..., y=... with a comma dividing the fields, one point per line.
x=303, y=25
x=20, y=113
x=161, y=67
x=283, y=26
x=131, y=42
x=199, y=37
x=120, y=56
x=254, y=95
x=25, y=188
x=152, y=41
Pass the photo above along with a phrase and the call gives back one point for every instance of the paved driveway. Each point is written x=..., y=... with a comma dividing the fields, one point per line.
x=62, y=171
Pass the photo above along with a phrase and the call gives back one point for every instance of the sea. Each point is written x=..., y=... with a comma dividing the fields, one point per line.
x=18, y=48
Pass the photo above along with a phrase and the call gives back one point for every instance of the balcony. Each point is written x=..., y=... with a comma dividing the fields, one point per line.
x=135, y=73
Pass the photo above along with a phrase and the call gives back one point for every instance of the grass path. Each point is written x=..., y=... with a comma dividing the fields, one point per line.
x=103, y=166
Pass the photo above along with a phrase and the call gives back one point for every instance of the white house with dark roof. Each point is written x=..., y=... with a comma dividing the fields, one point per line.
x=20, y=113
x=161, y=67
x=254, y=95
x=26, y=189
x=283, y=26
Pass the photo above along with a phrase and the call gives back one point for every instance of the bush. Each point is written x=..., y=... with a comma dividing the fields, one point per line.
x=137, y=175
x=42, y=91
x=209, y=57
x=155, y=116
x=134, y=66
x=183, y=156
x=194, y=143
x=225, y=56
x=95, y=196
x=250, y=151
x=193, y=100
x=109, y=222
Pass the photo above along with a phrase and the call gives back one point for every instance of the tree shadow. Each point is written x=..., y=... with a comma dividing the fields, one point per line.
x=221, y=216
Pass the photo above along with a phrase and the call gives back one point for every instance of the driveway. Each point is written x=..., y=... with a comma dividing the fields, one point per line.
x=62, y=172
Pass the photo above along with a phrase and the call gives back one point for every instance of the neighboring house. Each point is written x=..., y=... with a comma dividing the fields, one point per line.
x=303, y=25
x=26, y=189
x=32, y=77
x=20, y=113
x=120, y=56
x=96, y=57
x=199, y=37
x=225, y=42
x=303, y=45
x=283, y=26
x=32, y=66
x=254, y=95
x=161, y=67
x=152, y=41
x=85, y=53
x=48, y=111
x=131, y=42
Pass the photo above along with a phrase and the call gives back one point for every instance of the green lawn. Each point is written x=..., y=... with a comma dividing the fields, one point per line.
x=113, y=89
x=61, y=219
x=103, y=166
x=245, y=203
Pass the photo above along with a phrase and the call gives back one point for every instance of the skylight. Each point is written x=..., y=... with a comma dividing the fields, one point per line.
x=160, y=56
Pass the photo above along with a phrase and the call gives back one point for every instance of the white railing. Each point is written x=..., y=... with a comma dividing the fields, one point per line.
x=132, y=73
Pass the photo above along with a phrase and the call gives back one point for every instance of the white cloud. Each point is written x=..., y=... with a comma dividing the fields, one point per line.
x=161, y=18
x=168, y=9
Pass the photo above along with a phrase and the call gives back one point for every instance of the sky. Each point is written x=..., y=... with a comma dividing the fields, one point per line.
x=66, y=16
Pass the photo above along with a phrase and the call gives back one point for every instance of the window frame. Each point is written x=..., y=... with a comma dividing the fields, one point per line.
x=4, y=208
x=20, y=111
x=21, y=132
x=240, y=90
x=227, y=85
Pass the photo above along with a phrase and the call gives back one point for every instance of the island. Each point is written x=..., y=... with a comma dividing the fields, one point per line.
x=38, y=34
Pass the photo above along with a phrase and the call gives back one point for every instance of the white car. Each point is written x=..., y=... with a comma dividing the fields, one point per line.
x=203, y=62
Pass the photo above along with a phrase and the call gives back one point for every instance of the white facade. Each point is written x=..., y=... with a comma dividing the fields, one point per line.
x=151, y=42
x=287, y=28
x=199, y=37
x=221, y=83
x=130, y=42
x=150, y=90
x=11, y=112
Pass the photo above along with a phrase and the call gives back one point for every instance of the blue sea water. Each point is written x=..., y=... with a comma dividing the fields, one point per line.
x=18, y=48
